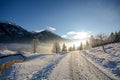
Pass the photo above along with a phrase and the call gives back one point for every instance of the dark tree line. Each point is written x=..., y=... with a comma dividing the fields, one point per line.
x=57, y=48
x=94, y=41
x=72, y=48
x=102, y=39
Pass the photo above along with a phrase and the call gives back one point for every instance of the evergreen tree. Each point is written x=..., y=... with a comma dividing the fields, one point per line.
x=81, y=46
x=116, y=37
x=64, y=48
x=112, y=37
x=92, y=41
x=70, y=48
x=73, y=48
x=87, y=45
x=119, y=36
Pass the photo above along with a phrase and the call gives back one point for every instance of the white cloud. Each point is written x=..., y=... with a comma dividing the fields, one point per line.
x=77, y=35
x=64, y=36
x=71, y=33
x=51, y=28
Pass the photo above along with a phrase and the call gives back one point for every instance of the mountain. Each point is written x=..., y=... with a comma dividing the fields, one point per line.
x=49, y=36
x=10, y=32
x=13, y=33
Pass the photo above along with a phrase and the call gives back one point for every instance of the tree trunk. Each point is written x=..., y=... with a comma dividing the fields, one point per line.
x=104, y=48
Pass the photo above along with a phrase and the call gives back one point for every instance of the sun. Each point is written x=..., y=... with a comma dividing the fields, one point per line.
x=81, y=35
x=78, y=37
x=82, y=38
x=76, y=43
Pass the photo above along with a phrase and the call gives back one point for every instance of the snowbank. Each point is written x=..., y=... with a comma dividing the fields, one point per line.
x=109, y=62
x=37, y=66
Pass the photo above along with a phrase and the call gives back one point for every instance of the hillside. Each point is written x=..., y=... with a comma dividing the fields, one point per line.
x=10, y=32
x=108, y=62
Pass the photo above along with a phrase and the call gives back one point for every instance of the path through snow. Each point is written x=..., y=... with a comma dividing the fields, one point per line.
x=75, y=67
x=70, y=66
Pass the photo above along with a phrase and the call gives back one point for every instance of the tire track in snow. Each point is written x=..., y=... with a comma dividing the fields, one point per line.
x=45, y=72
x=62, y=70
x=94, y=70
x=75, y=74
x=82, y=69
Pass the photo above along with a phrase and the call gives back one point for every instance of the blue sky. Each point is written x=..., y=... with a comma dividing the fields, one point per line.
x=64, y=16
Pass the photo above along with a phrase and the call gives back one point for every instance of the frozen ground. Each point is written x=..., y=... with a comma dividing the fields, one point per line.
x=70, y=66
x=91, y=64
x=37, y=66
x=108, y=62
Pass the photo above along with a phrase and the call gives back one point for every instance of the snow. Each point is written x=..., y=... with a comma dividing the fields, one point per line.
x=11, y=58
x=91, y=64
x=36, y=66
x=62, y=70
x=6, y=52
x=108, y=62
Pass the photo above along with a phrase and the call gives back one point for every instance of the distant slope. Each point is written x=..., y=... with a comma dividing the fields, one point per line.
x=14, y=33
x=49, y=36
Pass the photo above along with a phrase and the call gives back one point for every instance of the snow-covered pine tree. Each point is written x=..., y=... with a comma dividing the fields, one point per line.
x=112, y=37
x=74, y=48
x=64, y=48
x=87, y=45
x=81, y=46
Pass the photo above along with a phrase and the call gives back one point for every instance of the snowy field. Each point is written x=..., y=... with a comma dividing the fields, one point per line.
x=36, y=66
x=42, y=47
x=108, y=62
x=91, y=64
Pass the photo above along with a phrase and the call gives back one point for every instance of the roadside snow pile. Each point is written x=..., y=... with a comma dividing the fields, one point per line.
x=36, y=67
x=109, y=61
x=8, y=56
x=11, y=58
x=6, y=52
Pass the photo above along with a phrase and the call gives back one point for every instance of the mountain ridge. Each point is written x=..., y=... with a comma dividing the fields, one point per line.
x=14, y=33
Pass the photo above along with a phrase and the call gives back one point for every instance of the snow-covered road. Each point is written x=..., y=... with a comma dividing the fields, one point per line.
x=76, y=67
x=82, y=69
x=70, y=66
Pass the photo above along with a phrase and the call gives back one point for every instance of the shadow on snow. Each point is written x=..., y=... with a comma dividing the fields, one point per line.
x=44, y=73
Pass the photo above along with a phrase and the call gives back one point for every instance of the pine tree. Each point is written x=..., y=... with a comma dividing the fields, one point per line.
x=119, y=36
x=92, y=41
x=64, y=48
x=116, y=37
x=112, y=37
x=87, y=45
x=81, y=46
x=73, y=48
x=56, y=47
x=70, y=48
